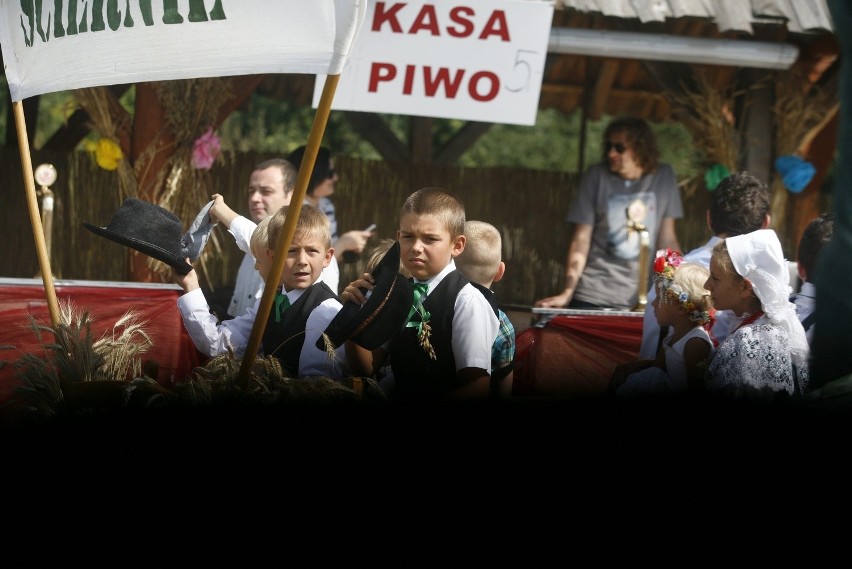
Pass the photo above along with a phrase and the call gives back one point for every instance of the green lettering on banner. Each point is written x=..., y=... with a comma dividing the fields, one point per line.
x=147, y=16
x=170, y=12
x=34, y=13
x=98, y=16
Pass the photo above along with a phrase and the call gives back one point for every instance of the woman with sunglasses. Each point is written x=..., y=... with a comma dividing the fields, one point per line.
x=321, y=185
x=629, y=190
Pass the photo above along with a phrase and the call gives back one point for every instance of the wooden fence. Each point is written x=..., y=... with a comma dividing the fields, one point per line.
x=528, y=206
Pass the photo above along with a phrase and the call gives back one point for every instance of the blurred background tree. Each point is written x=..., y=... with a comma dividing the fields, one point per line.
x=270, y=125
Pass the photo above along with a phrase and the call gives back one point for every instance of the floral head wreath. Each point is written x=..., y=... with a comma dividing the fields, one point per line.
x=665, y=265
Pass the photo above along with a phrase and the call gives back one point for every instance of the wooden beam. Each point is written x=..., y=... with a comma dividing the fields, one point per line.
x=566, y=90
x=602, y=88
x=242, y=87
x=420, y=139
x=375, y=131
x=757, y=126
x=461, y=141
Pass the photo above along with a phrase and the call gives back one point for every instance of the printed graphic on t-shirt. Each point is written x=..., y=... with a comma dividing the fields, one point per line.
x=622, y=242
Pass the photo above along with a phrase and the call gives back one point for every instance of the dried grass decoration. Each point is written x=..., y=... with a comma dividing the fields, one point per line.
x=74, y=358
x=191, y=107
x=705, y=112
x=108, y=118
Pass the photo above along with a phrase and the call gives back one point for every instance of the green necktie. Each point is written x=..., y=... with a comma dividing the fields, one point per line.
x=282, y=303
x=420, y=290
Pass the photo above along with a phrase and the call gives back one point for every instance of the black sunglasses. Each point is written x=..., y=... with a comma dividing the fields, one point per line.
x=331, y=172
x=620, y=148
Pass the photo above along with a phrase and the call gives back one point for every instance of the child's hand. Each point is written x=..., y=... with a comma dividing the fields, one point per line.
x=221, y=212
x=354, y=241
x=188, y=282
x=353, y=293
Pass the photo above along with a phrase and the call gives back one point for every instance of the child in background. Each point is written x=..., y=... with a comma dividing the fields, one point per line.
x=303, y=308
x=816, y=236
x=739, y=204
x=683, y=305
x=767, y=354
x=444, y=350
x=482, y=263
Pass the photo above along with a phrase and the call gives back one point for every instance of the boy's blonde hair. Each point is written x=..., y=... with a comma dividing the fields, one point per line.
x=260, y=237
x=311, y=221
x=440, y=203
x=483, y=252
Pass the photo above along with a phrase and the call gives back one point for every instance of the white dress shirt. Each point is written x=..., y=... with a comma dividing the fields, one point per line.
x=214, y=339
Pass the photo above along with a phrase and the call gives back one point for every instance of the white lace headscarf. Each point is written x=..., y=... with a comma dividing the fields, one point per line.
x=757, y=257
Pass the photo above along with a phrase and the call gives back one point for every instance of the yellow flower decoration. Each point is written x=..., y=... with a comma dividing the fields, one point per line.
x=107, y=153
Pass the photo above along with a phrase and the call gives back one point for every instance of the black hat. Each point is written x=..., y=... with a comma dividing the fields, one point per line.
x=149, y=229
x=383, y=315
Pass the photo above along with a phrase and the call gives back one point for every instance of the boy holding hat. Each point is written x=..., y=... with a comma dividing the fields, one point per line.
x=444, y=348
x=303, y=308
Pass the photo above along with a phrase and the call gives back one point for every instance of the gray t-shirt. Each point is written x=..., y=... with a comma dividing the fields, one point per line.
x=612, y=269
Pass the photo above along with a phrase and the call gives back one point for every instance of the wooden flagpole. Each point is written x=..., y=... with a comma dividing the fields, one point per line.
x=293, y=211
x=35, y=217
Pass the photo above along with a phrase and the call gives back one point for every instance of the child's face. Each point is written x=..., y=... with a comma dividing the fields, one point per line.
x=306, y=258
x=262, y=260
x=666, y=308
x=425, y=245
x=725, y=289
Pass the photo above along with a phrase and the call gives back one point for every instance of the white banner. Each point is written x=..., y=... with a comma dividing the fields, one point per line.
x=480, y=60
x=58, y=45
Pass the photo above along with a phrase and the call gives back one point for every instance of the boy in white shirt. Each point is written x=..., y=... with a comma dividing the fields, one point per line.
x=304, y=306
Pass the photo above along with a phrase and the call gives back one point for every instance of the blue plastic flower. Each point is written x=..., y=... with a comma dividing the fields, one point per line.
x=795, y=172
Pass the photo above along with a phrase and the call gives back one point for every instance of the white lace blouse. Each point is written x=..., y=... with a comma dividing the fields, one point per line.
x=757, y=361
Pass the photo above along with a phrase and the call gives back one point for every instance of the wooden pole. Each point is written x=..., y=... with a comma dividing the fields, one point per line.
x=293, y=211
x=35, y=217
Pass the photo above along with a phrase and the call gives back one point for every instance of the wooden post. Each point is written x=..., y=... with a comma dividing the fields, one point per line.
x=35, y=217
x=283, y=245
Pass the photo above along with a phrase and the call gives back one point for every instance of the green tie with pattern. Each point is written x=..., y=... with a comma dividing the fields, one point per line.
x=282, y=303
x=420, y=290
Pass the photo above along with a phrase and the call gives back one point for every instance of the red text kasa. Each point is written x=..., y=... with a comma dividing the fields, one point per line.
x=458, y=22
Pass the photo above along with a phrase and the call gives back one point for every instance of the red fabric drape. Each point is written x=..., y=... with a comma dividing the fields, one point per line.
x=574, y=356
x=156, y=305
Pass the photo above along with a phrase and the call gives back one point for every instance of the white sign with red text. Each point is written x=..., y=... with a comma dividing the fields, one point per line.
x=479, y=60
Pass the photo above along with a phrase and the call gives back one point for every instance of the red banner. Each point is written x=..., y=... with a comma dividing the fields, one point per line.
x=573, y=356
x=155, y=304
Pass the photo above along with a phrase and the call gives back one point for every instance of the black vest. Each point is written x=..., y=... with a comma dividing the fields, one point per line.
x=284, y=339
x=416, y=375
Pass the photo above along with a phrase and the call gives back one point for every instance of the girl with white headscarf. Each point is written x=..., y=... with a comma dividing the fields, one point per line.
x=768, y=353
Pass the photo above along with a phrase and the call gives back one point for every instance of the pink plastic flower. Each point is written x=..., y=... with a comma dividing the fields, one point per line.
x=205, y=150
